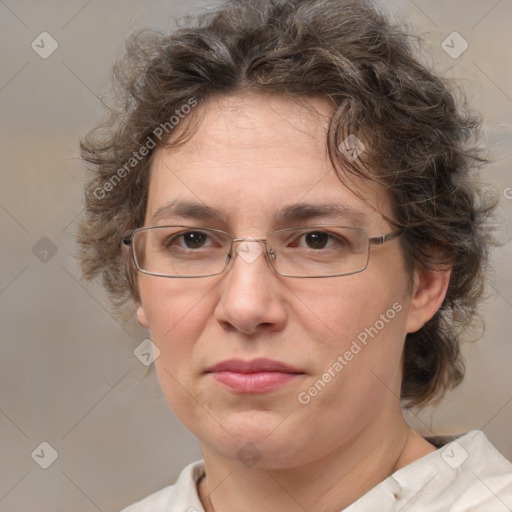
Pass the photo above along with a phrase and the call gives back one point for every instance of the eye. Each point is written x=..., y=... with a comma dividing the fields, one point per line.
x=189, y=240
x=194, y=239
x=317, y=239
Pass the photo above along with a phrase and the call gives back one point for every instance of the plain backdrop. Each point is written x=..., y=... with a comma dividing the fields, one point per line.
x=68, y=374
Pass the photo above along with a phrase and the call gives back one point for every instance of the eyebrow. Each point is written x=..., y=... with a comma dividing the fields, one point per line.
x=308, y=211
x=297, y=212
x=185, y=209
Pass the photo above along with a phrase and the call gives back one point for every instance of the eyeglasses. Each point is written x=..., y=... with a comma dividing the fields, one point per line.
x=310, y=251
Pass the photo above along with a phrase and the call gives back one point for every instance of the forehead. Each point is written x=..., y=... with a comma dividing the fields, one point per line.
x=252, y=158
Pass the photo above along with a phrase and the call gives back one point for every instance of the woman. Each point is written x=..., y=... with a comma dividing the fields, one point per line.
x=285, y=197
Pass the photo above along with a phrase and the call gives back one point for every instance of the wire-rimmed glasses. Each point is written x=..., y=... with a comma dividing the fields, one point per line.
x=301, y=252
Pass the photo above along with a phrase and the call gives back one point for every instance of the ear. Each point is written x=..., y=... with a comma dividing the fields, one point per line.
x=141, y=317
x=429, y=291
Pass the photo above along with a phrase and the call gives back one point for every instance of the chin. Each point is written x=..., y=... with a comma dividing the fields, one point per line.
x=255, y=437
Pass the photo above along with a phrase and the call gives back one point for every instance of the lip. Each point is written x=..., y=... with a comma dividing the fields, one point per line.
x=256, y=376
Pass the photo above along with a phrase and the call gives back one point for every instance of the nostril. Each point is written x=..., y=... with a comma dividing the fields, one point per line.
x=227, y=326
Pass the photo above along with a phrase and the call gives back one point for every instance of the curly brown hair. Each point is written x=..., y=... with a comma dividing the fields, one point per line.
x=420, y=143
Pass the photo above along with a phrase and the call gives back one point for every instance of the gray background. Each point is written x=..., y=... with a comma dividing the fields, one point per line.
x=68, y=375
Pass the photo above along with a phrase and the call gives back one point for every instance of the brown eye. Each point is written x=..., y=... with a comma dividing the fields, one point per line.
x=194, y=239
x=317, y=239
x=188, y=240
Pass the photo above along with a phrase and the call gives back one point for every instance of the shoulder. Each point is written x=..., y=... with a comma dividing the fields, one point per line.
x=482, y=477
x=467, y=474
x=180, y=497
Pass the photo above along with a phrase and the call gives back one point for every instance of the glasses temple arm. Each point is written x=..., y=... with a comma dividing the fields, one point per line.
x=379, y=240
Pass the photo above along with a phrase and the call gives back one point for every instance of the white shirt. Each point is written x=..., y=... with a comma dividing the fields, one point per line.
x=466, y=475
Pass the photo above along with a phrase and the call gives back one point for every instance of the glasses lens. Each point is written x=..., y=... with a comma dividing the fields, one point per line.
x=181, y=251
x=319, y=251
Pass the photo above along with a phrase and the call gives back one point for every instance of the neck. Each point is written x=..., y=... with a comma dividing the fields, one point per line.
x=327, y=484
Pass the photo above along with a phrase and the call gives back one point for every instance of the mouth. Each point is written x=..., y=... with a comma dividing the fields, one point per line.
x=256, y=376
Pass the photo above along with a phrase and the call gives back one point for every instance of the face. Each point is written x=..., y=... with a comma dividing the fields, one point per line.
x=341, y=338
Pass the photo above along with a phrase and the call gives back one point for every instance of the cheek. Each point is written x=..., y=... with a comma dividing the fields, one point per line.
x=177, y=313
x=360, y=372
x=360, y=354
x=342, y=308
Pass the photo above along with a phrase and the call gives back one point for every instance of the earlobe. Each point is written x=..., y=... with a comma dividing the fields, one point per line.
x=141, y=317
x=429, y=291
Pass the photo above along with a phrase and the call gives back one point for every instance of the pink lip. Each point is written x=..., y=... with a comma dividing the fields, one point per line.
x=256, y=376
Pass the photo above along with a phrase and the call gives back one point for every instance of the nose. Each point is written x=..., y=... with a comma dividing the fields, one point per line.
x=251, y=293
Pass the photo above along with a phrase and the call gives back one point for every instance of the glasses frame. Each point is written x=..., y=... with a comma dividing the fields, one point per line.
x=127, y=242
